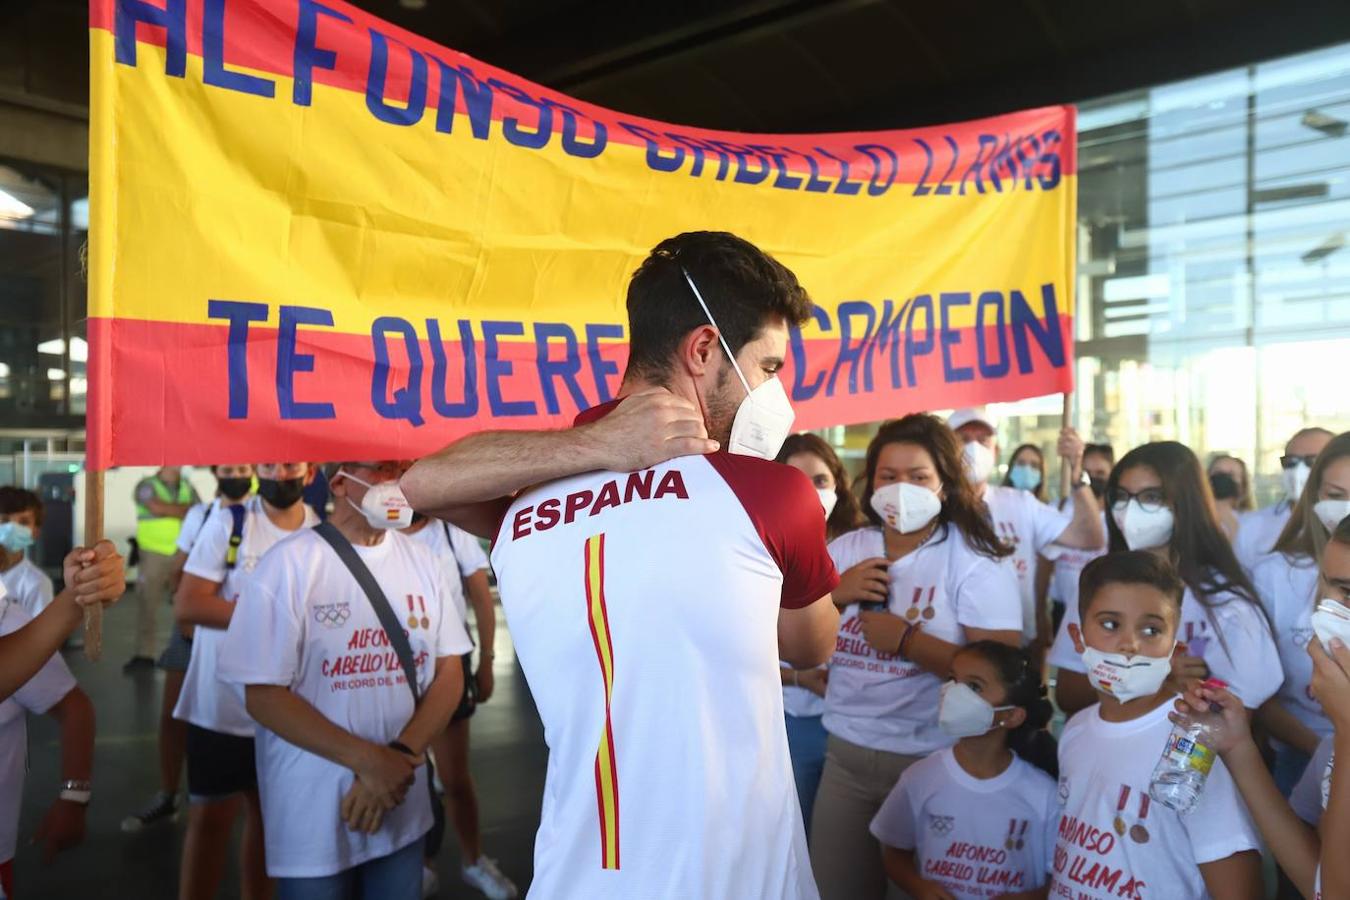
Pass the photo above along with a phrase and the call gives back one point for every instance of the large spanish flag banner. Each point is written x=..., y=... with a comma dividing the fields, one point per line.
x=318, y=236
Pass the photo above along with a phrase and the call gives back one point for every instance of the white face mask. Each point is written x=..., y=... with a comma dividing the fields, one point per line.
x=1142, y=529
x=1294, y=481
x=964, y=713
x=906, y=507
x=978, y=461
x=1126, y=677
x=1331, y=512
x=828, y=499
x=384, y=505
x=1331, y=619
x=764, y=418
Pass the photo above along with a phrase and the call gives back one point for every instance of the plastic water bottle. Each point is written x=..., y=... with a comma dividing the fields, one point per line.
x=1180, y=775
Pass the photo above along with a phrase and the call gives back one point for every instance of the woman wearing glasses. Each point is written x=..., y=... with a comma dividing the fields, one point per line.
x=1287, y=583
x=1158, y=499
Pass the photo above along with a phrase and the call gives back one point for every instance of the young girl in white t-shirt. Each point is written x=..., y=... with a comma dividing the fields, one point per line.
x=921, y=582
x=978, y=819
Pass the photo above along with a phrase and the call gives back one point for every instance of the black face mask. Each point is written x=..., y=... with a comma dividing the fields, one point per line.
x=234, y=488
x=1224, y=486
x=281, y=494
x=1098, y=487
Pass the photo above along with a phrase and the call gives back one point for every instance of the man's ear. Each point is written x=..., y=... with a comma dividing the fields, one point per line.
x=1076, y=634
x=698, y=351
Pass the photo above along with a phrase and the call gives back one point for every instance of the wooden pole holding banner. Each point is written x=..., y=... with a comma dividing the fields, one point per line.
x=1065, y=467
x=93, y=532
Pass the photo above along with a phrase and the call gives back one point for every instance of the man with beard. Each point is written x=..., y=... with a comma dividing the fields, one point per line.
x=651, y=598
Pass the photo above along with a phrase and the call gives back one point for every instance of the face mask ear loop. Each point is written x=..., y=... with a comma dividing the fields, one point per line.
x=731, y=356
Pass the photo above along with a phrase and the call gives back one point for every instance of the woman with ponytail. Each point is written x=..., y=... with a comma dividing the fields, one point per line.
x=993, y=793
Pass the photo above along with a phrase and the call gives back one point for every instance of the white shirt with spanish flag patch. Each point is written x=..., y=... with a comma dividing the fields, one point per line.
x=644, y=609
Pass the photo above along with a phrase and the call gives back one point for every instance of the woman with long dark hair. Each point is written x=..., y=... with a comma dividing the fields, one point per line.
x=1026, y=471
x=920, y=581
x=804, y=689
x=1287, y=583
x=1158, y=499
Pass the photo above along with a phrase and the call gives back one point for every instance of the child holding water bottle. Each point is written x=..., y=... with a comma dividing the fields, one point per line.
x=1295, y=842
x=978, y=819
x=1113, y=840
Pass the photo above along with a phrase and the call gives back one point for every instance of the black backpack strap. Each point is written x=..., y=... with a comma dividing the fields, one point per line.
x=236, y=535
x=393, y=628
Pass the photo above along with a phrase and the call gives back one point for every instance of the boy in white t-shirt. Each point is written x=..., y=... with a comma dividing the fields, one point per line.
x=52, y=691
x=220, y=749
x=462, y=555
x=233, y=485
x=1113, y=841
x=20, y=525
x=340, y=743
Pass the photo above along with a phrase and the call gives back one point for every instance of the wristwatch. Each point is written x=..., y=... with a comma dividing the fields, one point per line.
x=76, y=791
x=1084, y=480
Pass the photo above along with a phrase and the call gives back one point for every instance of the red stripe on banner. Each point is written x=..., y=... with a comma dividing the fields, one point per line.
x=329, y=398
x=261, y=35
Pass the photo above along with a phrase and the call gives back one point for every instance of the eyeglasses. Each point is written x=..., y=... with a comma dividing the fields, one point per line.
x=1150, y=499
x=1289, y=462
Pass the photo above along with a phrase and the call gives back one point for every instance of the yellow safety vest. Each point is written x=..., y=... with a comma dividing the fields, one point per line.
x=159, y=534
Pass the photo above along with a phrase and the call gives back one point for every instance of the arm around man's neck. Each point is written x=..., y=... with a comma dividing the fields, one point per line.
x=471, y=482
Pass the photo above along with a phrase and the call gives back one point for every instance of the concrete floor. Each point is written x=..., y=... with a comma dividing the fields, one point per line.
x=508, y=761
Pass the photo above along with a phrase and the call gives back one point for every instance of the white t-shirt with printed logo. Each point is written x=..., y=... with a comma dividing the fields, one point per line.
x=206, y=701
x=644, y=610
x=882, y=702
x=1112, y=840
x=1309, y=796
x=977, y=837
x=1069, y=565
x=37, y=695
x=303, y=622
x=1250, y=664
x=462, y=547
x=1028, y=526
x=1289, y=592
x=28, y=586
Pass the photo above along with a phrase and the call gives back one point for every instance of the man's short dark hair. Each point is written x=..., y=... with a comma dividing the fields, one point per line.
x=14, y=500
x=1129, y=567
x=742, y=285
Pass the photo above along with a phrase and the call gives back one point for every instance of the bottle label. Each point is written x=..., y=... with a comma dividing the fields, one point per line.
x=1183, y=751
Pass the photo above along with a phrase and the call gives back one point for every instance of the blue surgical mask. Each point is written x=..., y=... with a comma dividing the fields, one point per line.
x=16, y=538
x=1024, y=477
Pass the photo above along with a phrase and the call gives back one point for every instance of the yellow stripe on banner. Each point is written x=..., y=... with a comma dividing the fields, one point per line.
x=607, y=789
x=239, y=197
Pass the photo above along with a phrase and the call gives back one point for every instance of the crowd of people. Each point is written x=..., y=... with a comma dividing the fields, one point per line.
x=757, y=676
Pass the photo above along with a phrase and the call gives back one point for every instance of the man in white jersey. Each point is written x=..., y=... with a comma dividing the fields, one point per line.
x=1259, y=529
x=651, y=599
x=341, y=741
x=1022, y=521
x=222, y=774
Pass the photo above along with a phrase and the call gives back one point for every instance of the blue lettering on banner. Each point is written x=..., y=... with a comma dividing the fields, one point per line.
x=849, y=354
x=460, y=409
x=797, y=347
x=308, y=55
x=497, y=369
x=601, y=368
x=172, y=17
x=551, y=370
x=458, y=81
x=290, y=361
x=213, y=57
x=411, y=113
x=951, y=337
x=238, y=314
x=406, y=401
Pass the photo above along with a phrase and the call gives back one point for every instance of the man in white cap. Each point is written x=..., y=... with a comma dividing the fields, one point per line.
x=1022, y=521
x=1259, y=529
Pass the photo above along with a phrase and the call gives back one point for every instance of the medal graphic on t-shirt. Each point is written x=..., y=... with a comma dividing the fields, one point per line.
x=1138, y=833
x=912, y=614
x=422, y=604
x=412, y=613
x=1119, y=823
x=1016, y=836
